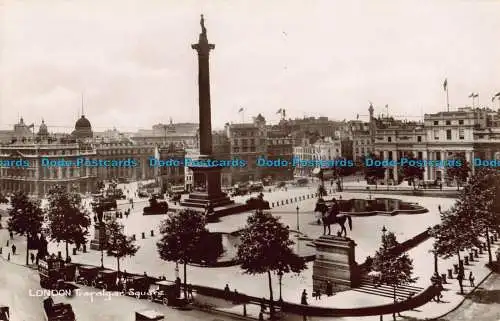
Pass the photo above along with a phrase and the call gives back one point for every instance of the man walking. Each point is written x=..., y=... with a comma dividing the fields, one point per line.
x=471, y=279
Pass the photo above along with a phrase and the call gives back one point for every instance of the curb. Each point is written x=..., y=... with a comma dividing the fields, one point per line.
x=466, y=296
x=223, y=313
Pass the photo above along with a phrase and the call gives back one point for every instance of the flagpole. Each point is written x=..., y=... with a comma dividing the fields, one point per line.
x=447, y=97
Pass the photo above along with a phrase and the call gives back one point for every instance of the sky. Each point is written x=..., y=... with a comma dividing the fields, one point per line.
x=133, y=64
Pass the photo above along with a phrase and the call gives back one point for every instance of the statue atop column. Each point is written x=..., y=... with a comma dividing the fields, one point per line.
x=202, y=24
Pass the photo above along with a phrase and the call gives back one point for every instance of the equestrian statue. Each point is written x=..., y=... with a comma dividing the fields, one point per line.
x=331, y=215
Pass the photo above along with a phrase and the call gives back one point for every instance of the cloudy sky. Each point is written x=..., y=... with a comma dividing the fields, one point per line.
x=134, y=63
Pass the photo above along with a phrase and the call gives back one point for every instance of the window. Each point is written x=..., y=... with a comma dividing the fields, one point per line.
x=461, y=133
x=436, y=122
x=448, y=122
x=436, y=134
x=420, y=155
x=461, y=122
x=389, y=139
x=448, y=134
x=419, y=139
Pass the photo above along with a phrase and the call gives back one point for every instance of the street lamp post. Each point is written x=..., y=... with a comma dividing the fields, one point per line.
x=298, y=227
x=280, y=277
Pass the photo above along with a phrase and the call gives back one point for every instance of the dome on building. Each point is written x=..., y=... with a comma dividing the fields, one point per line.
x=83, y=129
x=42, y=130
x=83, y=123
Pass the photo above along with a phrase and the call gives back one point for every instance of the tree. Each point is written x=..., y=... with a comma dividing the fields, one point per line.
x=459, y=173
x=26, y=217
x=395, y=269
x=455, y=232
x=68, y=220
x=482, y=194
x=118, y=244
x=373, y=172
x=340, y=172
x=183, y=234
x=411, y=171
x=266, y=247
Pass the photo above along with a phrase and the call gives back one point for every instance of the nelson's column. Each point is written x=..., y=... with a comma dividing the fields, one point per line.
x=207, y=192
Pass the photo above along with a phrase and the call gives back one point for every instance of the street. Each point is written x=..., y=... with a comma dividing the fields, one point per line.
x=18, y=287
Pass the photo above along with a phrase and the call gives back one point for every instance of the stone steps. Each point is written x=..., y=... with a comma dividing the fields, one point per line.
x=402, y=292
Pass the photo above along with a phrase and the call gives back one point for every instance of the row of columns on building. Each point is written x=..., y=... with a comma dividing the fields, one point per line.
x=430, y=172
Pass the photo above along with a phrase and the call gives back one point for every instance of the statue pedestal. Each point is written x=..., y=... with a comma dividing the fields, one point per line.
x=335, y=262
x=99, y=237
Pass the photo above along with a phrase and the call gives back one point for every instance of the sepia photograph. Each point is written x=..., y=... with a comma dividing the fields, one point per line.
x=219, y=160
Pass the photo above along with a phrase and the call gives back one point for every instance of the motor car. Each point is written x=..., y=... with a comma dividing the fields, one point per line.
x=86, y=274
x=156, y=207
x=58, y=312
x=137, y=286
x=164, y=292
x=106, y=279
x=4, y=313
x=149, y=315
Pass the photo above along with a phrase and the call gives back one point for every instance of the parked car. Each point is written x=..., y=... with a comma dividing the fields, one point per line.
x=149, y=315
x=86, y=274
x=136, y=285
x=4, y=313
x=142, y=194
x=106, y=279
x=156, y=207
x=58, y=312
x=164, y=292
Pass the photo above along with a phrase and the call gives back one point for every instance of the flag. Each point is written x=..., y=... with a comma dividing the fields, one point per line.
x=357, y=116
x=471, y=95
x=240, y=110
x=495, y=96
x=475, y=95
x=445, y=84
x=31, y=126
x=279, y=111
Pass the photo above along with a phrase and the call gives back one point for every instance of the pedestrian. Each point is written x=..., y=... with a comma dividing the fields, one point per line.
x=471, y=279
x=11, y=234
x=190, y=291
x=226, y=290
x=261, y=316
x=236, y=296
x=329, y=288
x=441, y=186
x=318, y=294
x=32, y=257
x=7, y=243
x=8, y=257
x=303, y=299
x=13, y=249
